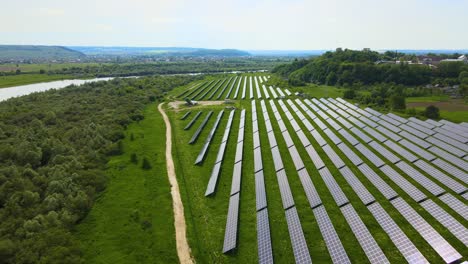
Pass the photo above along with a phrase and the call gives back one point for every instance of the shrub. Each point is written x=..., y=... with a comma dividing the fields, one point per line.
x=432, y=112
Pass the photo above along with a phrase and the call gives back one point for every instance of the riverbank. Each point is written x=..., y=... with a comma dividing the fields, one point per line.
x=30, y=78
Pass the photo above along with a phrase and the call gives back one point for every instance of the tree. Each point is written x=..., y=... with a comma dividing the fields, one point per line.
x=397, y=102
x=349, y=94
x=146, y=164
x=41, y=71
x=134, y=158
x=432, y=112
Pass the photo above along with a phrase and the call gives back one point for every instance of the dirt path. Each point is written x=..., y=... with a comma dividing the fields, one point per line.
x=183, y=249
x=176, y=104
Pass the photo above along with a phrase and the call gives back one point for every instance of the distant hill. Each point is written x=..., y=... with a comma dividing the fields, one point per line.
x=155, y=51
x=30, y=52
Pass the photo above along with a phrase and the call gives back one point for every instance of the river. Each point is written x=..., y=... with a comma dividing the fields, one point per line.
x=10, y=92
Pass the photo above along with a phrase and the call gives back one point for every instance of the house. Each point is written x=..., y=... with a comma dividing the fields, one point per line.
x=462, y=58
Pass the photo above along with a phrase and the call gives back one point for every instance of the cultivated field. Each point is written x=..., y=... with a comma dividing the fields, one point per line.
x=292, y=179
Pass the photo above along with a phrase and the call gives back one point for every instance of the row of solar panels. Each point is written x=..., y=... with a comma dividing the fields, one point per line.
x=367, y=199
x=230, y=233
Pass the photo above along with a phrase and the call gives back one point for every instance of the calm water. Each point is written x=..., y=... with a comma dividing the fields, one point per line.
x=7, y=93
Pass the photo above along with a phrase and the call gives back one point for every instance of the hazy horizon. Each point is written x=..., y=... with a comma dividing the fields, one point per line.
x=246, y=25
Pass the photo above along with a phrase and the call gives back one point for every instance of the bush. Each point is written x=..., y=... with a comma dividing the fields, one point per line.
x=349, y=94
x=432, y=112
x=146, y=164
x=134, y=158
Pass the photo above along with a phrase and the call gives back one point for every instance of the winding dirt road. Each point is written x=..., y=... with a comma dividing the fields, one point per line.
x=183, y=249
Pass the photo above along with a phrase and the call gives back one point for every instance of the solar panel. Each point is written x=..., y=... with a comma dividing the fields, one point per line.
x=375, y=119
x=389, y=126
x=457, y=229
x=404, y=184
x=452, y=170
x=230, y=233
x=364, y=237
x=398, y=237
x=332, y=113
x=320, y=124
x=344, y=122
x=419, y=151
x=260, y=193
x=455, y=204
x=433, y=122
x=413, y=131
x=285, y=190
x=414, y=139
x=236, y=178
x=318, y=137
x=375, y=134
x=342, y=113
x=239, y=152
x=185, y=115
x=335, y=159
x=295, y=125
x=303, y=138
x=280, y=92
x=356, y=122
x=361, y=191
x=451, y=141
x=273, y=93
x=361, y=135
x=268, y=126
x=265, y=91
x=190, y=124
x=420, y=178
x=370, y=155
x=297, y=160
x=368, y=121
x=278, y=162
x=455, y=128
x=211, y=187
x=202, y=154
x=314, y=156
x=390, y=120
x=440, y=176
x=352, y=140
x=375, y=179
x=388, y=133
x=200, y=128
x=333, y=242
x=353, y=113
x=258, y=165
x=333, y=137
x=451, y=135
x=372, y=111
x=427, y=125
x=335, y=190
x=350, y=154
x=449, y=157
x=287, y=139
x=449, y=148
x=397, y=118
x=287, y=92
x=309, y=188
x=244, y=90
x=308, y=125
x=299, y=244
x=420, y=128
x=265, y=254
x=384, y=152
x=435, y=240
x=401, y=151
x=272, y=139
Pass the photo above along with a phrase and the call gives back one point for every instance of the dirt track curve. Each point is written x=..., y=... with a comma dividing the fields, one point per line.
x=183, y=249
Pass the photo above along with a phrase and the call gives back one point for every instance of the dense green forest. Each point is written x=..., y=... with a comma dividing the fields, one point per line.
x=350, y=67
x=54, y=147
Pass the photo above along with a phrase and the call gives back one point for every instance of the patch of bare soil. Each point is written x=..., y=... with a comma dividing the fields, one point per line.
x=452, y=105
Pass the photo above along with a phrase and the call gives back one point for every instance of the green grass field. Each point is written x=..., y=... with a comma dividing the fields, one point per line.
x=132, y=220
x=206, y=217
x=23, y=79
x=36, y=67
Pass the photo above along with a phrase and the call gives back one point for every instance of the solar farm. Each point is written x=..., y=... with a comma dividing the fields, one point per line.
x=274, y=177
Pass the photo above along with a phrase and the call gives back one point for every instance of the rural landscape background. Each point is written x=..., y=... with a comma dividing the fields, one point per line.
x=233, y=132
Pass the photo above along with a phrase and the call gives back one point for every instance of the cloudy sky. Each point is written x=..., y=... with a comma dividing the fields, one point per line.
x=242, y=24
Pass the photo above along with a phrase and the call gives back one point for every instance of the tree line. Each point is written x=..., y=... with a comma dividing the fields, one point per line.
x=350, y=67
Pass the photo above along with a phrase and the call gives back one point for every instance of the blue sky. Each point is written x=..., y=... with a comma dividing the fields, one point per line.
x=254, y=24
